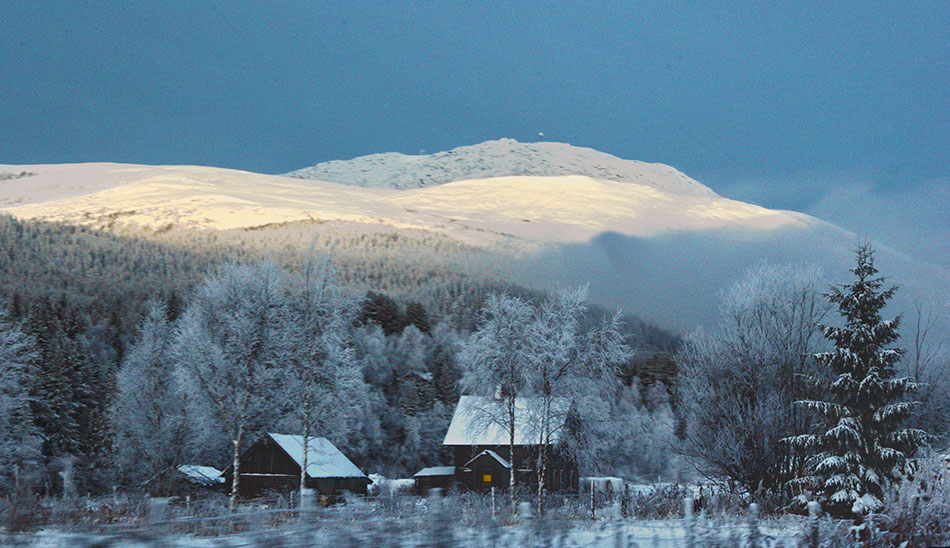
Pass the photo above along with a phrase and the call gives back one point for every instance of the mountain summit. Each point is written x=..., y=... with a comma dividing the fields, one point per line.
x=500, y=158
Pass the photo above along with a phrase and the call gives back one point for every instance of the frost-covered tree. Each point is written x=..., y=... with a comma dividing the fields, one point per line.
x=149, y=417
x=862, y=444
x=322, y=379
x=228, y=350
x=568, y=364
x=737, y=383
x=494, y=363
x=19, y=439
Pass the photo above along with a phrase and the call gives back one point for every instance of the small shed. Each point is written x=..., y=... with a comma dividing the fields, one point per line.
x=435, y=477
x=273, y=464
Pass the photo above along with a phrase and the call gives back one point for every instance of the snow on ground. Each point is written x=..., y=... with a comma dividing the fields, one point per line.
x=652, y=533
x=563, y=208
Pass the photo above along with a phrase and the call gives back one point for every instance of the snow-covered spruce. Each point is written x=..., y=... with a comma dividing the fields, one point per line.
x=863, y=445
x=149, y=416
x=19, y=440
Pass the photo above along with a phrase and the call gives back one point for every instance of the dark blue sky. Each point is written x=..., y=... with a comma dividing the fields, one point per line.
x=769, y=102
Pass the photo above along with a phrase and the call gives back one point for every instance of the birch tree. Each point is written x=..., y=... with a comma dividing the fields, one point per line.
x=569, y=370
x=494, y=365
x=322, y=377
x=228, y=349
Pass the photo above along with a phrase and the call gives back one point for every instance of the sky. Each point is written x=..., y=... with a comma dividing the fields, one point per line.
x=840, y=109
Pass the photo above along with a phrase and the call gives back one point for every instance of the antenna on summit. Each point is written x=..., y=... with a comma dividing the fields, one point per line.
x=540, y=136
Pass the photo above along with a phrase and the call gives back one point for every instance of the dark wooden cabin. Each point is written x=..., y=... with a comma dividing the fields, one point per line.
x=436, y=477
x=272, y=465
x=481, y=451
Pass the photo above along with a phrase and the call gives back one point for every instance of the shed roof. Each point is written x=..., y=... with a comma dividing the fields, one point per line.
x=324, y=460
x=205, y=475
x=477, y=421
x=435, y=471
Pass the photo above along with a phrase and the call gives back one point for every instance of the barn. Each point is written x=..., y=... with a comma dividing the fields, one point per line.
x=481, y=452
x=273, y=464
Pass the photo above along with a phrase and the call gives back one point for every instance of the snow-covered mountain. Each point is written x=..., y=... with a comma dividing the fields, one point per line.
x=645, y=236
x=500, y=158
x=553, y=208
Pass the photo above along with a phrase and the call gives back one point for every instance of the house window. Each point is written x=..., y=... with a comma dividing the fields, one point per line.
x=486, y=478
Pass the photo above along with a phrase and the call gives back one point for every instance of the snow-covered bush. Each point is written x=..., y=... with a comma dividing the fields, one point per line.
x=917, y=511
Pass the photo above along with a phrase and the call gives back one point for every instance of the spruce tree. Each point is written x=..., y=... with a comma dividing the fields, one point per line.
x=862, y=444
x=19, y=438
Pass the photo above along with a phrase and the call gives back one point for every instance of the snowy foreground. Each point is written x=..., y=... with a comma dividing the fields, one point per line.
x=423, y=525
x=381, y=534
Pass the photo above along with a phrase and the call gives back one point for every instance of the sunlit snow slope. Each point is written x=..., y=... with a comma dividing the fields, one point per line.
x=567, y=208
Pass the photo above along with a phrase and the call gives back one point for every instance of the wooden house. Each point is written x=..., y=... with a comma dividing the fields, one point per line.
x=481, y=451
x=273, y=465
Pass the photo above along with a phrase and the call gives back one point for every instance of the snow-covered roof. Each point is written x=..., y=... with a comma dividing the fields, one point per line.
x=435, y=471
x=477, y=421
x=204, y=475
x=324, y=460
x=491, y=454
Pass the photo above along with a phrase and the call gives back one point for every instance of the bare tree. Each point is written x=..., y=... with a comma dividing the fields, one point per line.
x=322, y=378
x=568, y=368
x=927, y=363
x=737, y=383
x=228, y=350
x=494, y=364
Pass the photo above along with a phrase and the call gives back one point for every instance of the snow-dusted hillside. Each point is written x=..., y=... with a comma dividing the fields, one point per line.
x=645, y=236
x=531, y=208
x=499, y=158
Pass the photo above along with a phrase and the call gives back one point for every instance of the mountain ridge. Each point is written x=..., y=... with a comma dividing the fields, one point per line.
x=498, y=158
x=546, y=209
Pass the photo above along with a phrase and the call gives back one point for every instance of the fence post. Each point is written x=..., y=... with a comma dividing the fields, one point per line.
x=813, y=510
x=689, y=521
x=625, y=501
x=157, y=514
x=592, y=516
x=755, y=537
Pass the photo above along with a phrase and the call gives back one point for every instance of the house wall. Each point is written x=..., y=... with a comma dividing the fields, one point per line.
x=561, y=474
x=265, y=467
x=425, y=483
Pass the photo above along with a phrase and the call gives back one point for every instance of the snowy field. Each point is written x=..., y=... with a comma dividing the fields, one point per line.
x=413, y=522
x=396, y=534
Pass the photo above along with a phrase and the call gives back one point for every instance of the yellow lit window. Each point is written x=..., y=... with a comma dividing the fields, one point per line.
x=486, y=478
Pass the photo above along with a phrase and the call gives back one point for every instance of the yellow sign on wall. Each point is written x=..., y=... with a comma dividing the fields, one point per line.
x=486, y=478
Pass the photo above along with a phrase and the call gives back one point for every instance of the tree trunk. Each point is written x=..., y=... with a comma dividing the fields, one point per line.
x=303, y=466
x=511, y=457
x=237, y=467
x=542, y=461
x=542, y=455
